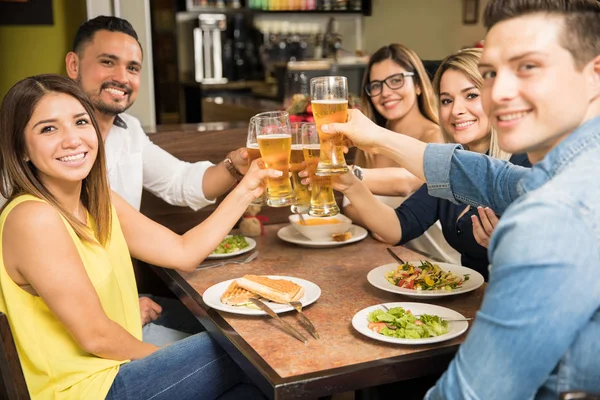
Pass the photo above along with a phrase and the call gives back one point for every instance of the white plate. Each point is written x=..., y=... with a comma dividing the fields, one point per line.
x=289, y=234
x=251, y=245
x=361, y=324
x=376, y=277
x=212, y=297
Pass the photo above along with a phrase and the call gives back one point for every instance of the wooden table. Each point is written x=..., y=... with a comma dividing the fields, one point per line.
x=343, y=359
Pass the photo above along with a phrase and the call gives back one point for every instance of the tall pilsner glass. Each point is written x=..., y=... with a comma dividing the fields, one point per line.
x=302, y=192
x=322, y=200
x=275, y=145
x=253, y=154
x=329, y=99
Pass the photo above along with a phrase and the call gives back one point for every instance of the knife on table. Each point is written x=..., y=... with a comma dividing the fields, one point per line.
x=287, y=327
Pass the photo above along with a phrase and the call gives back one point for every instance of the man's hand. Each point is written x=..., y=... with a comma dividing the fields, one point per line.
x=149, y=310
x=239, y=158
x=484, y=225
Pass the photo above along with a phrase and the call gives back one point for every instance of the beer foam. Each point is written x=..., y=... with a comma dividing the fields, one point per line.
x=315, y=146
x=274, y=136
x=297, y=147
x=330, y=101
x=252, y=146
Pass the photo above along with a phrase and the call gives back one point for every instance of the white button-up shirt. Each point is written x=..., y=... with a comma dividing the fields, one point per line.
x=134, y=162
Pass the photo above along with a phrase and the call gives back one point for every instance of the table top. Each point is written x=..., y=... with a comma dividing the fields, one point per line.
x=342, y=359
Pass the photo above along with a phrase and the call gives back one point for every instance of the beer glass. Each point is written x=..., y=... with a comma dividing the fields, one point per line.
x=275, y=145
x=301, y=191
x=322, y=201
x=329, y=99
x=253, y=154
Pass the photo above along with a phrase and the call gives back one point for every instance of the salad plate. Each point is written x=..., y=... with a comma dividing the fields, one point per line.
x=455, y=328
x=212, y=297
x=251, y=246
x=377, y=278
x=291, y=235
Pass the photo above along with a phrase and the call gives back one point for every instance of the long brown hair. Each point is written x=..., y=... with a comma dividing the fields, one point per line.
x=410, y=61
x=19, y=176
x=466, y=61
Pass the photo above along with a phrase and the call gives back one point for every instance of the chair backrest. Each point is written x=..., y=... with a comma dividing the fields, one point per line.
x=12, y=384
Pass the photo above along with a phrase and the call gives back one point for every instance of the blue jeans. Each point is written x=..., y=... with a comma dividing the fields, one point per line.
x=176, y=322
x=192, y=368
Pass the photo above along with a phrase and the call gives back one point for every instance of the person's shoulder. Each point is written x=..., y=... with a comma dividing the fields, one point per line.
x=32, y=215
x=433, y=134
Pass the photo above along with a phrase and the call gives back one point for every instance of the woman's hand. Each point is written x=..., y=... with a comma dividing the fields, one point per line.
x=359, y=130
x=255, y=179
x=484, y=225
x=343, y=182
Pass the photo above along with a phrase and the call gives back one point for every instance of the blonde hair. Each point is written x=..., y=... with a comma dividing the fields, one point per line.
x=466, y=61
x=19, y=176
x=410, y=61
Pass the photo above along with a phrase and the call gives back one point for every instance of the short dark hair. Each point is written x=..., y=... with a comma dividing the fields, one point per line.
x=88, y=29
x=581, y=35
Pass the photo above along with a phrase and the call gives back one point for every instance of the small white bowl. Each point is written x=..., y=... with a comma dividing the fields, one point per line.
x=319, y=233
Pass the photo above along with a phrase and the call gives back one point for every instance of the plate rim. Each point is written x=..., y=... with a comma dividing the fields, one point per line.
x=462, y=326
x=251, y=246
x=371, y=275
x=254, y=312
x=314, y=244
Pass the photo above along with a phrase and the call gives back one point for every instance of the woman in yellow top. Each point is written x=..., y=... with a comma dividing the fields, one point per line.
x=66, y=279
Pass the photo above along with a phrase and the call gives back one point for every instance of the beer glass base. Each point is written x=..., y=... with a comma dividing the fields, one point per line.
x=330, y=170
x=327, y=211
x=281, y=202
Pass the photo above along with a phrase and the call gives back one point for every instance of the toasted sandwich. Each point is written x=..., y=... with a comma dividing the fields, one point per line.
x=277, y=290
x=236, y=295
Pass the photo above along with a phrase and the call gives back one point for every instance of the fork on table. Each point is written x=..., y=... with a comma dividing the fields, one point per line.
x=224, y=262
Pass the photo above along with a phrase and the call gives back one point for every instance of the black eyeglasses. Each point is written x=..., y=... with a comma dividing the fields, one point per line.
x=394, y=82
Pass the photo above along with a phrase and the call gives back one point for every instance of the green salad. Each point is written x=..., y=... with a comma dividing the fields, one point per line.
x=401, y=323
x=231, y=244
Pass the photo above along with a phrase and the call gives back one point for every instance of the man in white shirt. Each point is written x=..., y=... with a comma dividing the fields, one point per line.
x=106, y=61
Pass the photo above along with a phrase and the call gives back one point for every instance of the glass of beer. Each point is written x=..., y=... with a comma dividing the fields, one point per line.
x=329, y=99
x=253, y=154
x=322, y=200
x=301, y=191
x=275, y=144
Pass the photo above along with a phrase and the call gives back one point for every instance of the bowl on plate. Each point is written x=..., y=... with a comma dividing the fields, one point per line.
x=321, y=228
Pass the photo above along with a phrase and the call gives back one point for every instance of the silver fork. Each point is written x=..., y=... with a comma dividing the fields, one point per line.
x=224, y=262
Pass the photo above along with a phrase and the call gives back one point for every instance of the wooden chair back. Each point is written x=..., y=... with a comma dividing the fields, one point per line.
x=12, y=384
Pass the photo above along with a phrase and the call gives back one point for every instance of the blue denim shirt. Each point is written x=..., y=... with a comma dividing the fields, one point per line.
x=538, y=330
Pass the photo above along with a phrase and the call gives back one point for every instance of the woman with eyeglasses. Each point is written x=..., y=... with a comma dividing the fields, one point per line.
x=398, y=96
x=457, y=83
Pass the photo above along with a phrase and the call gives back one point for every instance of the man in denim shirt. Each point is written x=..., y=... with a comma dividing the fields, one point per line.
x=538, y=331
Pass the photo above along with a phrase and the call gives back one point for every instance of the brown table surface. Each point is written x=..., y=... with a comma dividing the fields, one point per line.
x=343, y=359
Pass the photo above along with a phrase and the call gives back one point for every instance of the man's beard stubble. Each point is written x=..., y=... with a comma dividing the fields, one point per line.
x=112, y=109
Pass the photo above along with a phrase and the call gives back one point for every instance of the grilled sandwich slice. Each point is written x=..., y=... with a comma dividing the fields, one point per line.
x=277, y=290
x=236, y=295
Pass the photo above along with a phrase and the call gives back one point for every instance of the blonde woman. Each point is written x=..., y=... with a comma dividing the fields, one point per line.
x=457, y=83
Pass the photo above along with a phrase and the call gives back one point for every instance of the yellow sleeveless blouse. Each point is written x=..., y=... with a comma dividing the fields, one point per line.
x=55, y=367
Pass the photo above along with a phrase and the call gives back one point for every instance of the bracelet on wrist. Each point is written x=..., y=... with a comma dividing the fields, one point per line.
x=235, y=173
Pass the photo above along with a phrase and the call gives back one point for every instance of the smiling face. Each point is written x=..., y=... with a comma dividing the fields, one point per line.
x=393, y=104
x=60, y=141
x=533, y=92
x=461, y=111
x=108, y=70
